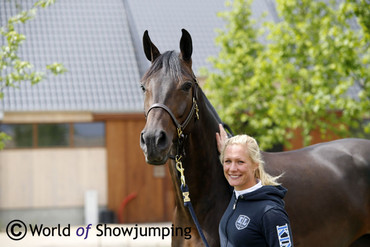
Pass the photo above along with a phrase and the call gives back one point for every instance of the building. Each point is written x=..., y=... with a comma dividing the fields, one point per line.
x=79, y=131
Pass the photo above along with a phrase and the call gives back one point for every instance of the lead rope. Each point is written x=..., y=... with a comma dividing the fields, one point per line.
x=185, y=194
x=185, y=190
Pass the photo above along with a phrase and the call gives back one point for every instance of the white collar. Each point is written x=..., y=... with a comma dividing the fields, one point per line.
x=249, y=190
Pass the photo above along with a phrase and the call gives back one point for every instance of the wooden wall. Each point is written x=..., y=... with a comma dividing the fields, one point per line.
x=51, y=177
x=129, y=175
x=297, y=141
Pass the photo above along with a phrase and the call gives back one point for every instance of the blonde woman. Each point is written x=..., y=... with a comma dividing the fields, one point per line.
x=255, y=215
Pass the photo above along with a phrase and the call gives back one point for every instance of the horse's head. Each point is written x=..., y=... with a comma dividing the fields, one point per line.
x=170, y=89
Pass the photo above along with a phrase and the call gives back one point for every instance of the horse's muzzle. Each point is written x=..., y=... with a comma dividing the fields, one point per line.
x=155, y=145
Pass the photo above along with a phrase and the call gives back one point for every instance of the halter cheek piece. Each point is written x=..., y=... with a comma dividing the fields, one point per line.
x=194, y=109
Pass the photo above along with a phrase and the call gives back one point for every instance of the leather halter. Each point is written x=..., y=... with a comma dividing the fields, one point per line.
x=181, y=154
x=194, y=109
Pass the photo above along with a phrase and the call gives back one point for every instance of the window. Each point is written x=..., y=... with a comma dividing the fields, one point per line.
x=89, y=134
x=54, y=135
x=21, y=135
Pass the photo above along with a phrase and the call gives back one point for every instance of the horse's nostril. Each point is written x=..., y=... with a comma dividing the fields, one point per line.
x=142, y=139
x=162, y=139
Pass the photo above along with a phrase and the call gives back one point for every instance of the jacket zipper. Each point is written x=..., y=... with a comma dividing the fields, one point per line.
x=236, y=201
x=227, y=222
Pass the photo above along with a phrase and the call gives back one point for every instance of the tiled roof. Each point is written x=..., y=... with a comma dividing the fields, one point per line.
x=164, y=20
x=100, y=43
x=91, y=38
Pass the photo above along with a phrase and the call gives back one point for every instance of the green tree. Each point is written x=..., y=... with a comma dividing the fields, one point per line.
x=299, y=77
x=14, y=70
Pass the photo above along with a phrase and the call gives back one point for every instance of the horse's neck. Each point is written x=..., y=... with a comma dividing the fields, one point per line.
x=203, y=171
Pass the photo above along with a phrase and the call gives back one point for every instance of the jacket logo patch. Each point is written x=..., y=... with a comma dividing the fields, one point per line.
x=283, y=235
x=242, y=222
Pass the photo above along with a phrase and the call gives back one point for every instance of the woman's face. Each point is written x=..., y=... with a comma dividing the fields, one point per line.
x=238, y=167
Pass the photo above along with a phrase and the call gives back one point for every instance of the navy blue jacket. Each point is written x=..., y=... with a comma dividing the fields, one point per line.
x=256, y=219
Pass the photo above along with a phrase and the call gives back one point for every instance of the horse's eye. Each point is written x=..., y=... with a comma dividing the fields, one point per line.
x=143, y=88
x=187, y=86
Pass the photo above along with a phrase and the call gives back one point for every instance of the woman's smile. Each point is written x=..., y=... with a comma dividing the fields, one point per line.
x=238, y=167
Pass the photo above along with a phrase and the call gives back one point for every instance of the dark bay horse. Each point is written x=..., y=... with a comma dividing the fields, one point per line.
x=328, y=199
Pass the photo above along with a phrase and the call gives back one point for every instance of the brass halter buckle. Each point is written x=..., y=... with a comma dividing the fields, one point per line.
x=180, y=169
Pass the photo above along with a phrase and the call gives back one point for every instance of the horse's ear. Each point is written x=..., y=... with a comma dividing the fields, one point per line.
x=186, y=46
x=151, y=51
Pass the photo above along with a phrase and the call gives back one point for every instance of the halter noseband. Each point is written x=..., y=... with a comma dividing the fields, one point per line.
x=194, y=109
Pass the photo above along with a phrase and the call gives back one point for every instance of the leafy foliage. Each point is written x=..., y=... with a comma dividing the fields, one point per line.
x=3, y=138
x=299, y=77
x=14, y=70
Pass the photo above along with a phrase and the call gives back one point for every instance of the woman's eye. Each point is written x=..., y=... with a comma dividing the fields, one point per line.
x=187, y=86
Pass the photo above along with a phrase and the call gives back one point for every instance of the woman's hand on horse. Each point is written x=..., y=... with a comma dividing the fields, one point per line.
x=221, y=138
